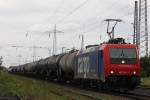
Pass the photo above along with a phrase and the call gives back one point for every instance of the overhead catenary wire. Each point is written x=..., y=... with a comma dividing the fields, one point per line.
x=70, y=13
x=124, y=15
x=96, y=24
x=102, y=11
x=56, y=10
x=78, y=7
x=74, y=10
x=99, y=25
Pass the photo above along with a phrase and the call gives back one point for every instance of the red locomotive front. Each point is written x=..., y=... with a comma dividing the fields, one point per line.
x=121, y=65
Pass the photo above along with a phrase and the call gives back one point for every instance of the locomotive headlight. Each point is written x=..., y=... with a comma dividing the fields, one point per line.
x=111, y=72
x=134, y=72
x=123, y=62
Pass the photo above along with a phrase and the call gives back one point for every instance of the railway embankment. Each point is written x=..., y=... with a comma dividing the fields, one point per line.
x=28, y=89
x=15, y=87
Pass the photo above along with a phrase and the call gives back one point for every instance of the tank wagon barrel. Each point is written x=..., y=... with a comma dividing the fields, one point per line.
x=66, y=64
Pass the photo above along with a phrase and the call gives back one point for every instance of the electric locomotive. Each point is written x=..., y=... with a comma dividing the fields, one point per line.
x=114, y=64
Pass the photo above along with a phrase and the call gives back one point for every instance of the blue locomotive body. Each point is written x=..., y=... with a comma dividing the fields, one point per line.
x=89, y=64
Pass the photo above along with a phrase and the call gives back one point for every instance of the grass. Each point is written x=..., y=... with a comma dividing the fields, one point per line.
x=30, y=89
x=145, y=81
x=9, y=86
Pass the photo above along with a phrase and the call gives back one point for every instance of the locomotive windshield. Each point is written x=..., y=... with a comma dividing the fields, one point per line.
x=122, y=55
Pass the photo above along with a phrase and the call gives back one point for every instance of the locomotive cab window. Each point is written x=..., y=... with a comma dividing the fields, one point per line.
x=122, y=55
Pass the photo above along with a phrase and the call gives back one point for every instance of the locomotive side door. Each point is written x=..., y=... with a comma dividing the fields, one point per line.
x=100, y=65
x=86, y=66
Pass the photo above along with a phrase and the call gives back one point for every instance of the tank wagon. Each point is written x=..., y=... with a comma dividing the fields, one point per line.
x=112, y=64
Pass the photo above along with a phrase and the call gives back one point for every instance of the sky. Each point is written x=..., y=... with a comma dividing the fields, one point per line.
x=25, y=24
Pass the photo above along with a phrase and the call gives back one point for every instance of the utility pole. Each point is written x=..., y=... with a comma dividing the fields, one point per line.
x=49, y=50
x=34, y=52
x=19, y=58
x=19, y=55
x=111, y=32
x=63, y=49
x=55, y=41
x=55, y=31
x=136, y=35
x=1, y=60
x=82, y=41
x=143, y=28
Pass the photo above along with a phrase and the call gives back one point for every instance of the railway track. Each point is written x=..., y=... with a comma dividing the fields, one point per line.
x=137, y=96
x=92, y=94
x=9, y=98
x=141, y=93
x=144, y=87
x=67, y=90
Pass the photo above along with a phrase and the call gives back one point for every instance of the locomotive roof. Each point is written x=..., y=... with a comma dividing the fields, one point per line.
x=117, y=46
x=89, y=49
x=102, y=46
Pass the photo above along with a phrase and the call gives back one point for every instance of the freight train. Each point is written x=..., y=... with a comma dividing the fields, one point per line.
x=114, y=64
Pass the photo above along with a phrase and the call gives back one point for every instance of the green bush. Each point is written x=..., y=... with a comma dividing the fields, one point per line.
x=145, y=66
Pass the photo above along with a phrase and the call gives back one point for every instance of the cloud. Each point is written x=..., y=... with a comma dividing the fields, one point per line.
x=7, y=4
